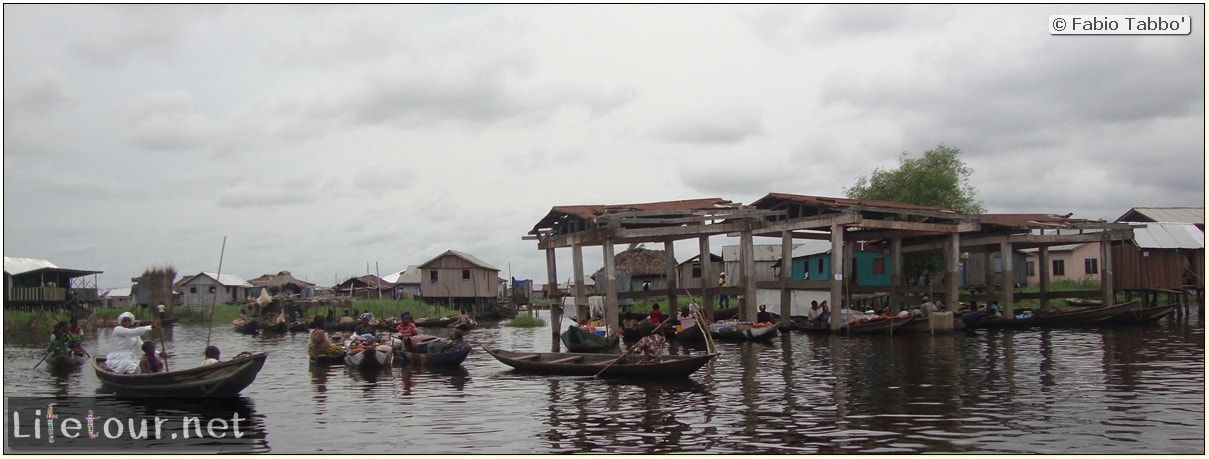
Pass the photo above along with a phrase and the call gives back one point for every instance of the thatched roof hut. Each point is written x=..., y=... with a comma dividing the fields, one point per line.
x=284, y=283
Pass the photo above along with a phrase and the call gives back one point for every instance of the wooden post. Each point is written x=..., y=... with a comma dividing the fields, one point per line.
x=1009, y=302
x=707, y=276
x=897, y=297
x=952, y=278
x=610, y=271
x=1043, y=275
x=837, y=274
x=582, y=310
x=1106, y=293
x=786, y=273
x=555, y=299
x=988, y=276
x=748, y=276
x=669, y=248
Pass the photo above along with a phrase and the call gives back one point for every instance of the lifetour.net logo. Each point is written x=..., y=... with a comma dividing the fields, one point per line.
x=45, y=425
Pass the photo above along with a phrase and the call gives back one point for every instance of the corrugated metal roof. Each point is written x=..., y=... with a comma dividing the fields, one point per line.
x=117, y=292
x=229, y=280
x=1054, y=248
x=811, y=247
x=463, y=255
x=16, y=265
x=836, y=203
x=762, y=252
x=1169, y=236
x=1166, y=214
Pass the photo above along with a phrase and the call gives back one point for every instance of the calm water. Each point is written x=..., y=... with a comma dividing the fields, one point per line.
x=1137, y=390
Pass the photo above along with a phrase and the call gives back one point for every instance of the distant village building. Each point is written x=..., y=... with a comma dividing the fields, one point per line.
x=1079, y=262
x=460, y=278
x=117, y=298
x=368, y=287
x=205, y=289
x=36, y=283
x=765, y=256
x=690, y=271
x=636, y=268
x=282, y=284
x=1169, y=254
x=406, y=283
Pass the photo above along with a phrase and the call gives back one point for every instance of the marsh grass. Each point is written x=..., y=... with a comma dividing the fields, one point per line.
x=526, y=321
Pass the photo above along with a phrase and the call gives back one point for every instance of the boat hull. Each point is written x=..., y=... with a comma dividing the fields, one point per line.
x=369, y=359
x=588, y=364
x=223, y=379
x=743, y=332
x=451, y=358
x=1075, y=318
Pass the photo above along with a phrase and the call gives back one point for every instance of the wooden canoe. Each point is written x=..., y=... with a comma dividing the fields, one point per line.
x=1142, y=315
x=335, y=359
x=879, y=326
x=742, y=331
x=587, y=364
x=451, y=358
x=1074, y=317
x=441, y=322
x=578, y=340
x=65, y=360
x=691, y=333
x=223, y=379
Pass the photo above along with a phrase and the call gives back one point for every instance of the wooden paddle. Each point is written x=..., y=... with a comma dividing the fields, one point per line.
x=163, y=346
x=628, y=352
x=48, y=353
x=702, y=325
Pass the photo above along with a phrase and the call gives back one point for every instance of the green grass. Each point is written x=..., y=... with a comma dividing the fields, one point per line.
x=527, y=321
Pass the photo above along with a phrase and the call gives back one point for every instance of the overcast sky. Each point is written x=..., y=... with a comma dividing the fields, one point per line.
x=322, y=139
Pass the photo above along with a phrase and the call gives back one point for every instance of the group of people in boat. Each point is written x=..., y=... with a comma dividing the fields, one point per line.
x=129, y=354
x=364, y=334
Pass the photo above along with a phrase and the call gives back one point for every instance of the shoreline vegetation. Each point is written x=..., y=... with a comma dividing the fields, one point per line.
x=223, y=314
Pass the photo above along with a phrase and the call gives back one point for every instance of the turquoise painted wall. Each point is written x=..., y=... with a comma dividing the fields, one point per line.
x=864, y=268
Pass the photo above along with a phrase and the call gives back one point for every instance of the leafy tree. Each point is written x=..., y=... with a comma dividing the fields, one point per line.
x=937, y=179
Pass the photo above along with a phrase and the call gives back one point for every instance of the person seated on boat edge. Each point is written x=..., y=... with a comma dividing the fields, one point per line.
x=320, y=345
x=656, y=316
x=463, y=319
x=926, y=307
x=825, y=312
x=764, y=316
x=651, y=347
x=364, y=326
x=994, y=309
x=212, y=354
x=150, y=363
x=125, y=342
x=406, y=327
x=75, y=336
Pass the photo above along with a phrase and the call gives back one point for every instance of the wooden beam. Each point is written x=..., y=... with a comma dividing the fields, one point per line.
x=828, y=222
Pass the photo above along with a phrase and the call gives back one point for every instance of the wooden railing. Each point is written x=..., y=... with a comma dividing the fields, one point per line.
x=49, y=294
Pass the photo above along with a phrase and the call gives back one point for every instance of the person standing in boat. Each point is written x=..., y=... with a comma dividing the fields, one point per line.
x=150, y=363
x=723, y=300
x=162, y=313
x=125, y=343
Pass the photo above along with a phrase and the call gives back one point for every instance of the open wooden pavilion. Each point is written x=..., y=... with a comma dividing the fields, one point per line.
x=845, y=222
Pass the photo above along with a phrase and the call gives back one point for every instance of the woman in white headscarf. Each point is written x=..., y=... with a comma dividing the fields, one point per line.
x=126, y=344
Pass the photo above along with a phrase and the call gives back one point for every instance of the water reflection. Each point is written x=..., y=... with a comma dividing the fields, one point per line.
x=1120, y=390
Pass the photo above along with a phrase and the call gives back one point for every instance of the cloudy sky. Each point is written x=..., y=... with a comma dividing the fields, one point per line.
x=322, y=139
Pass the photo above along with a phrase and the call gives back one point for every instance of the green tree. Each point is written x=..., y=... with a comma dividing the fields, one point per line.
x=937, y=179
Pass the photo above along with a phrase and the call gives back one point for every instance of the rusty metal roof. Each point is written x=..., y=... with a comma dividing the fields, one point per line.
x=1032, y=220
x=842, y=203
x=589, y=213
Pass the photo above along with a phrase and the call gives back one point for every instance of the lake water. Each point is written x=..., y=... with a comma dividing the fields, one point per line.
x=1125, y=390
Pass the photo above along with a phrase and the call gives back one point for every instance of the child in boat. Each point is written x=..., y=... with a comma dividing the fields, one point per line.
x=150, y=363
x=406, y=327
x=212, y=353
x=58, y=340
x=656, y=315
x=456, y=343
x=763, y=316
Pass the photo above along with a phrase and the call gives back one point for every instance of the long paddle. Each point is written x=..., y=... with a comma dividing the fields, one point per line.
x=163, y=347
x=628, y=352
x=48, y=353
x=701, y=324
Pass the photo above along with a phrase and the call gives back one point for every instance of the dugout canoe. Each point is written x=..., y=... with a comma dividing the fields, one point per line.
x=223, y=379
x=587, y=364
x=1142, y=315
x=450, y=358
x=1074, y=317
x=742, y=331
